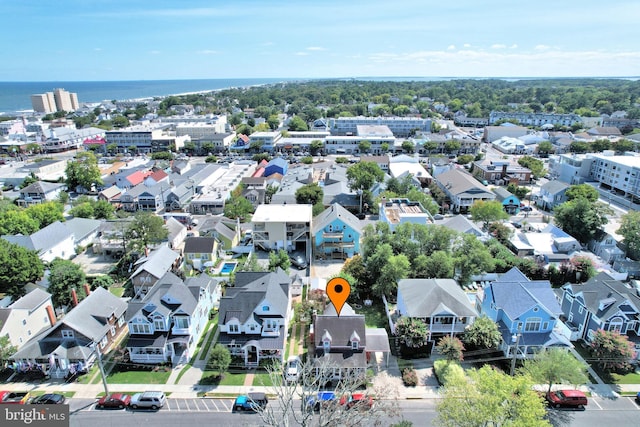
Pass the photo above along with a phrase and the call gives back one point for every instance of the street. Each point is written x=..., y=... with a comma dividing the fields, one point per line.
x=622, y=411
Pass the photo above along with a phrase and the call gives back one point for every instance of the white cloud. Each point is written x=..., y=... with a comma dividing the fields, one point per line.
x=466, y=45
x=498, y=46
x=513, y=46
x=316, y=48
x=451, y=47
x=542, y=47
x=302, y=53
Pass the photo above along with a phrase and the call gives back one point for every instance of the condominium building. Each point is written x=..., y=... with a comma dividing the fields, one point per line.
x=399, y=126
x=145, y=139
x=535, y=119
x=58, y=100
x=620, y=173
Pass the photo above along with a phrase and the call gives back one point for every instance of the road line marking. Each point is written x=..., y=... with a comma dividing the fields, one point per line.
x=594, y=401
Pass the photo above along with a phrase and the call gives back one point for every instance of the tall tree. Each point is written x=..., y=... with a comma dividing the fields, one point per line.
x=145, y=229
x=582, y=191
x=487, y=212
x=83, y=172
x=238, y=207
x=472, y=257
x=309, y=194
x=17, y=221
x=362, y=176
x=612, y=350
x=555, y=366
x=535, y=165
x=6, y=349
x=64, y=275
x=582, y=218
x=630, y=230
x=219, y=358
x=396, y=268
x=489, y=397
x=18, y=266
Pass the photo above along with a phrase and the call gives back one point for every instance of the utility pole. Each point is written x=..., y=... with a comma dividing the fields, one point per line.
x=515, y=338
x=101, y=366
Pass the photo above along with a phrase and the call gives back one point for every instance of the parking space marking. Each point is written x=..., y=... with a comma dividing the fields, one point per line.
x=203, y=402
x=168, y=405
x=226, y=408
x=597, y=404
x=195, y=403
x=632, y=399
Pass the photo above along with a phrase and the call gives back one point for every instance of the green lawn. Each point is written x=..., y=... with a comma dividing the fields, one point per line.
x=631, y=378
x=228, y=378
x=66, y=394
x=117, y=291
x=262, y=379
x=374, y=315
x=205, y=350
x=138, y=377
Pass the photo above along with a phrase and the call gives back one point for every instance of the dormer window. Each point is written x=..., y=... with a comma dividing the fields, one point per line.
x=355, y=340
x=355, y=345
x=66, y=333
x=326, y=341
x=265, y=308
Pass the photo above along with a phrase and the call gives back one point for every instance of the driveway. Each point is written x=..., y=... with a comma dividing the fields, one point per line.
x=93, y=264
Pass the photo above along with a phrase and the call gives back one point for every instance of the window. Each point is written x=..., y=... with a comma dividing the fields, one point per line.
x=113, y=331
x=103, y=342
x=533, y=324
x=24, y=322
x=326, y=345
x=545, y=326
x=181, y=322
x=580, y=309
x=265, y=308
x=355, y=345
x=120, y=321
x=234, y=329
x=66, y=333
x=158, y=324
x=143, y=328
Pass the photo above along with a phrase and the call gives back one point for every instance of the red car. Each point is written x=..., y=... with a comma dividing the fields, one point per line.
x=567, y=398
x=114, y=400
x=357, y=400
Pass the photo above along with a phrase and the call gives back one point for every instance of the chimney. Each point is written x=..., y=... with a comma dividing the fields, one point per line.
x=51, y=314
x=504, y=170
x=146, y=251
x=74, y=297
x=87, y=289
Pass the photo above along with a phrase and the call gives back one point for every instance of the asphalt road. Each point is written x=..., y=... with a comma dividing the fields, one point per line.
x=191, y=412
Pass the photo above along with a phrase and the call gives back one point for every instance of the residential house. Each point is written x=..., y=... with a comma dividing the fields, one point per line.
x=178, y=197
x=150, y=268
x=53, y=241
x=254, y=316
x=111, y=237
x=399, y=211
x=510, y=202
x=501, y=172
x=39, y=192
x=631, y=267
x=226, y=231
x=111, y=195
x=403, y=165
x=549, y=245
x=601, y=303
x=462, y=224
x=283, y=226
x=276, y=165
x=27, y=317
x=462, y=190
x=201, y=252
x=552, y=194
x=606, y=247
x=177, y=232
x=71, y=345
x=144, y=198
x=165, y=324
x=440, y=303
x=382, y=161
x=527, y=314
x=340, y=344
x=84, y=230
x=336, y=233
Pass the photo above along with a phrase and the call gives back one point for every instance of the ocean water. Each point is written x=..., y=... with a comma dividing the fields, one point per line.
x=16, y=96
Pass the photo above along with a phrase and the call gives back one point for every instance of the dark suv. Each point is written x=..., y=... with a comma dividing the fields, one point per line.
x=298, y=261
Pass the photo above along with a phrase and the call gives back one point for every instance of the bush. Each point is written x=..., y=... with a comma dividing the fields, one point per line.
x=446, y=370
x=409, y=377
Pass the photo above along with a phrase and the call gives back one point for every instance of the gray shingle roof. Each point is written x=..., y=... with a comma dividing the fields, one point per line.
x=250, y=289
x=199, y=245
x=553, y=187
x=32, y=300
x=43, y=239
x=333, y=212
x=430, y=297
x=82, y=227
x=157, y=263
x=603, y=288
x=91, y=315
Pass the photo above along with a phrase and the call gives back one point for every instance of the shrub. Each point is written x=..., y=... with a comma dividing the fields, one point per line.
x=409, y=377
x=446, y=370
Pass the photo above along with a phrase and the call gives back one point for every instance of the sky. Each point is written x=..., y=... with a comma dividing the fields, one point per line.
x=95, y=40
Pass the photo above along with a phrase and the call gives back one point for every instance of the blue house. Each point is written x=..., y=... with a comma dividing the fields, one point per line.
x=601, y=303
x=510, y=202
x=527, y=313
x=336, y=233
x=277, y=165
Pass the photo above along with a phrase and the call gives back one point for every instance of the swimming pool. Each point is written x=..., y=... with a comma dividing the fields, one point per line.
x=228, y=267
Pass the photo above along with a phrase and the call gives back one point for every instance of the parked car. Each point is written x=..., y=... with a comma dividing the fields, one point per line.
x=148, y=400
x=527, y=209
x=357, y=401
x=49, y=399
x=18, y=397
x=250, y=402
x=638, y=398
x=567, y=398
x=292, y=369
x=114, y=400
x=323, y=400
x=298, y=261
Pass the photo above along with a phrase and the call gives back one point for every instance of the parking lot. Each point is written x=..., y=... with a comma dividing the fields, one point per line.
x=178, y=405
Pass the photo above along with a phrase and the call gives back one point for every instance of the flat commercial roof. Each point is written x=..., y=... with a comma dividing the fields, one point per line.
x=283, y=213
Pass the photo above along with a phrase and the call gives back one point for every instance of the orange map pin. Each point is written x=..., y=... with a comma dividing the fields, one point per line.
x=338, y=290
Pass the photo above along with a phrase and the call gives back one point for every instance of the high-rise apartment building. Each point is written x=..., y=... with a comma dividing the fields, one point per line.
x=43, y=103
x=58, y=100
